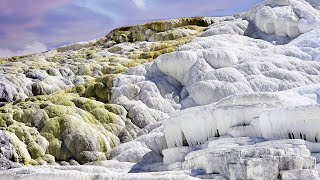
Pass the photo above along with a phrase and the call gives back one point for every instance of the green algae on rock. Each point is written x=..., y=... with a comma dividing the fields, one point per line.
x=61, y=124
x=59, y=109
x=80, y=63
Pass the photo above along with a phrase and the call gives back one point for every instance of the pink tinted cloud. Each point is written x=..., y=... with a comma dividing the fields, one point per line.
x=30, y=7
x=21, y=15
x=32, y=12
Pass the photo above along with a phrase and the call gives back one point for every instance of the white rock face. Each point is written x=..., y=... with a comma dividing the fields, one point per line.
x=274, y=124
x=226, y=105
x=254, y=115
x=18, y=80
x=228, y=84
x=227, y=27
x=308, y=43
x=245, y=158
x=237, y=78
x=101, y=170
x=180, y=67
x=224, y=65
x=220, y=58
x=284, y=17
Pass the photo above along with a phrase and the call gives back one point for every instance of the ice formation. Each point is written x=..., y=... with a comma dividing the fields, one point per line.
x=253, y=115
x=201, y=98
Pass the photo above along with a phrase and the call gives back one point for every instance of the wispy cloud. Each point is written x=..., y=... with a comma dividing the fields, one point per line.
x=29, y=13
x=141, y=4
x=31, y=48
x=17, y=21
x=104, y=8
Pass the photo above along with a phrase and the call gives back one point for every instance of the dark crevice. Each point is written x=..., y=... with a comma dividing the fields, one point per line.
x=217, y=134
x=184, y=140
x=3, y=100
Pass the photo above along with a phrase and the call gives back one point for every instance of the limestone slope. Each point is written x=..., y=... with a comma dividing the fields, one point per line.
x=238, y=99
x=56, y=104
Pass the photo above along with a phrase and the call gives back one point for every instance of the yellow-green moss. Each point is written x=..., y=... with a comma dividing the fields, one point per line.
x=74, y=120
x=35, y=150
x=11, y=59
x=68, y=124
x=104, y=116
x=21, y=153
x=6, y=119
x=116, y=109
x=90, y=53
x=86, y=104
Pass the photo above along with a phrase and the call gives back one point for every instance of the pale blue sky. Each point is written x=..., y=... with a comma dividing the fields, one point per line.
x=37, y=25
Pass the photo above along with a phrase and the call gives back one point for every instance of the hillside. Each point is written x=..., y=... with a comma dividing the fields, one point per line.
x=207, y=97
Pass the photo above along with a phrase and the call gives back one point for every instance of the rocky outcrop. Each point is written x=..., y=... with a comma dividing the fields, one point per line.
x=210, y=98
x=59, y=115
x=237, y=158
x=163, y=30
x=7, y=152
x=81, y=63
x=64, y=125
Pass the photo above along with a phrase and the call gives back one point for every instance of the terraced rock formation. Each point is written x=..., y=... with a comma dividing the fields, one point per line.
x=61, y=110
x=195, y=98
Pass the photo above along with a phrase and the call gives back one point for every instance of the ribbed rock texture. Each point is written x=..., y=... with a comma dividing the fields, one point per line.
x=193, y=98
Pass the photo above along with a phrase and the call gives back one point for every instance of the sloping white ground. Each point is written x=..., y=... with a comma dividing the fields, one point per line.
x=218, y=158
x=104, y=170
x=224, y=106
x=212, y=68
x=233, y=85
